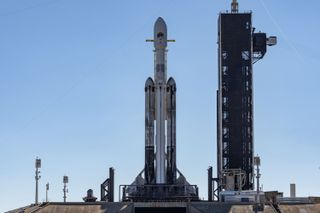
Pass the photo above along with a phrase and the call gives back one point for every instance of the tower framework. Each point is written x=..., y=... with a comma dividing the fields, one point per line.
x=239, y=47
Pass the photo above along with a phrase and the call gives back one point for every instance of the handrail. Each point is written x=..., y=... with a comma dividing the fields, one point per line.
x=159, y=192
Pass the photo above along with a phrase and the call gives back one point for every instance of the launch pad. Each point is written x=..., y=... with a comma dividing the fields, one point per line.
x=167, y=207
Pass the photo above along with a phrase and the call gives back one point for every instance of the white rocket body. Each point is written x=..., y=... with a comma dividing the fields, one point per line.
x=160, y=108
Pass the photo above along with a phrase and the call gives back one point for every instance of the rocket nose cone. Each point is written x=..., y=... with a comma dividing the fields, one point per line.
x=160, y=23
x=160, y=33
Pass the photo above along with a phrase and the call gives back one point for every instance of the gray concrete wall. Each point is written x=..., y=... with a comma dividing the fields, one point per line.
x=308, y=208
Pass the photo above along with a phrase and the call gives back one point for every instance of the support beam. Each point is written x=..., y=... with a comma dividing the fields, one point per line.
x=107, y=188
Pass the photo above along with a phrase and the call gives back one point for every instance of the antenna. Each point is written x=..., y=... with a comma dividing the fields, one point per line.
x=65, y=190
x=258, y=206
x=257, y=163
x=234, y=6
x=37, y=177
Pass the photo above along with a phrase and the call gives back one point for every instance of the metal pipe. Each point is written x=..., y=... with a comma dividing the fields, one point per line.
x=210, y=186
x=111, y=185
x=47, y=189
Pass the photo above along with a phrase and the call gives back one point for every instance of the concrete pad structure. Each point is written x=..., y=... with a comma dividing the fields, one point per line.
x=177, y=207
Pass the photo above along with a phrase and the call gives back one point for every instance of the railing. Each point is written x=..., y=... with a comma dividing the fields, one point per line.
x=157, y=192
x=292, y=200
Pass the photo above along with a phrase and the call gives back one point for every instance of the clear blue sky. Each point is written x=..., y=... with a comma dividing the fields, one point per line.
x=72, y=77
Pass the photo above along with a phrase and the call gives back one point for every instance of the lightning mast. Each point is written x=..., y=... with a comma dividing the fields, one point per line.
x=37, y=177
x=65, y=190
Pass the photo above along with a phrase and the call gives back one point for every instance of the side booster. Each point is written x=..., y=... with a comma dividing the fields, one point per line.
x=160, y=115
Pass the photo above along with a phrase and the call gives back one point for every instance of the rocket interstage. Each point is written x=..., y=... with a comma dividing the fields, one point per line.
x=160, y=115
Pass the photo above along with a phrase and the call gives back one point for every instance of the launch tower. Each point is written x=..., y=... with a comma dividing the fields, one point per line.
x=239, y=48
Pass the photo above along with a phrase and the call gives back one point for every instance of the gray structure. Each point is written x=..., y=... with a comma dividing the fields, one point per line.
x=47, y=190
x=292, y=190
x=89, y=198
x=167, y=207
x=107, y=187
x=161, y=180
x=65, y=190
